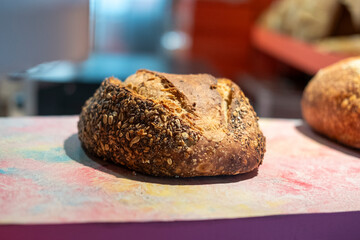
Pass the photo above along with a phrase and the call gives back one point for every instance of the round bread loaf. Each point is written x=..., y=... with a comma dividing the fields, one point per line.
x=331, y=102
x=173, y=125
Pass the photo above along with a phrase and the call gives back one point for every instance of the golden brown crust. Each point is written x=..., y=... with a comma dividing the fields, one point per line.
x=173, y=125
x=331, y=102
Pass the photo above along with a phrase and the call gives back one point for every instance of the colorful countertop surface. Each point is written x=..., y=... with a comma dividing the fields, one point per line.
x=45, y=177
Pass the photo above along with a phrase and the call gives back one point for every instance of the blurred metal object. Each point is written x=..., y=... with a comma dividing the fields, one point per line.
x=33, y=32
x=131, y=26
x=37, y=31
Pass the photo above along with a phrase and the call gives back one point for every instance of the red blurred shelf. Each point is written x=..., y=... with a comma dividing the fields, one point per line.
x=296, y=53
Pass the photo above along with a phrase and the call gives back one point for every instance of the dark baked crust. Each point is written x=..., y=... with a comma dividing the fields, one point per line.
x=331, y=102
x=192, y=130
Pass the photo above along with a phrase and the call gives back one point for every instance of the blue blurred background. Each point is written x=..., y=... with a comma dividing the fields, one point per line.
x=55, y=53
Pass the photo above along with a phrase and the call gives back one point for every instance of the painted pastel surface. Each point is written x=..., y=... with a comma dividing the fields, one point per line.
x=45, y=177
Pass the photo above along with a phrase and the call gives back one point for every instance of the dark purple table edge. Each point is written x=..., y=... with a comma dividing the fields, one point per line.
x=344, y=225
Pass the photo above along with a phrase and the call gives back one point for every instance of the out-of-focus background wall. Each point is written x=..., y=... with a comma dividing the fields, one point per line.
x=270, y=48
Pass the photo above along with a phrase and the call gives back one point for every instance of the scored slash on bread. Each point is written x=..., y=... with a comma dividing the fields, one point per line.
x=173, y=125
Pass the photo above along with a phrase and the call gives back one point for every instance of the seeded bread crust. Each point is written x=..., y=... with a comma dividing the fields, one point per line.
x=331, y=102
x=173, y=125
